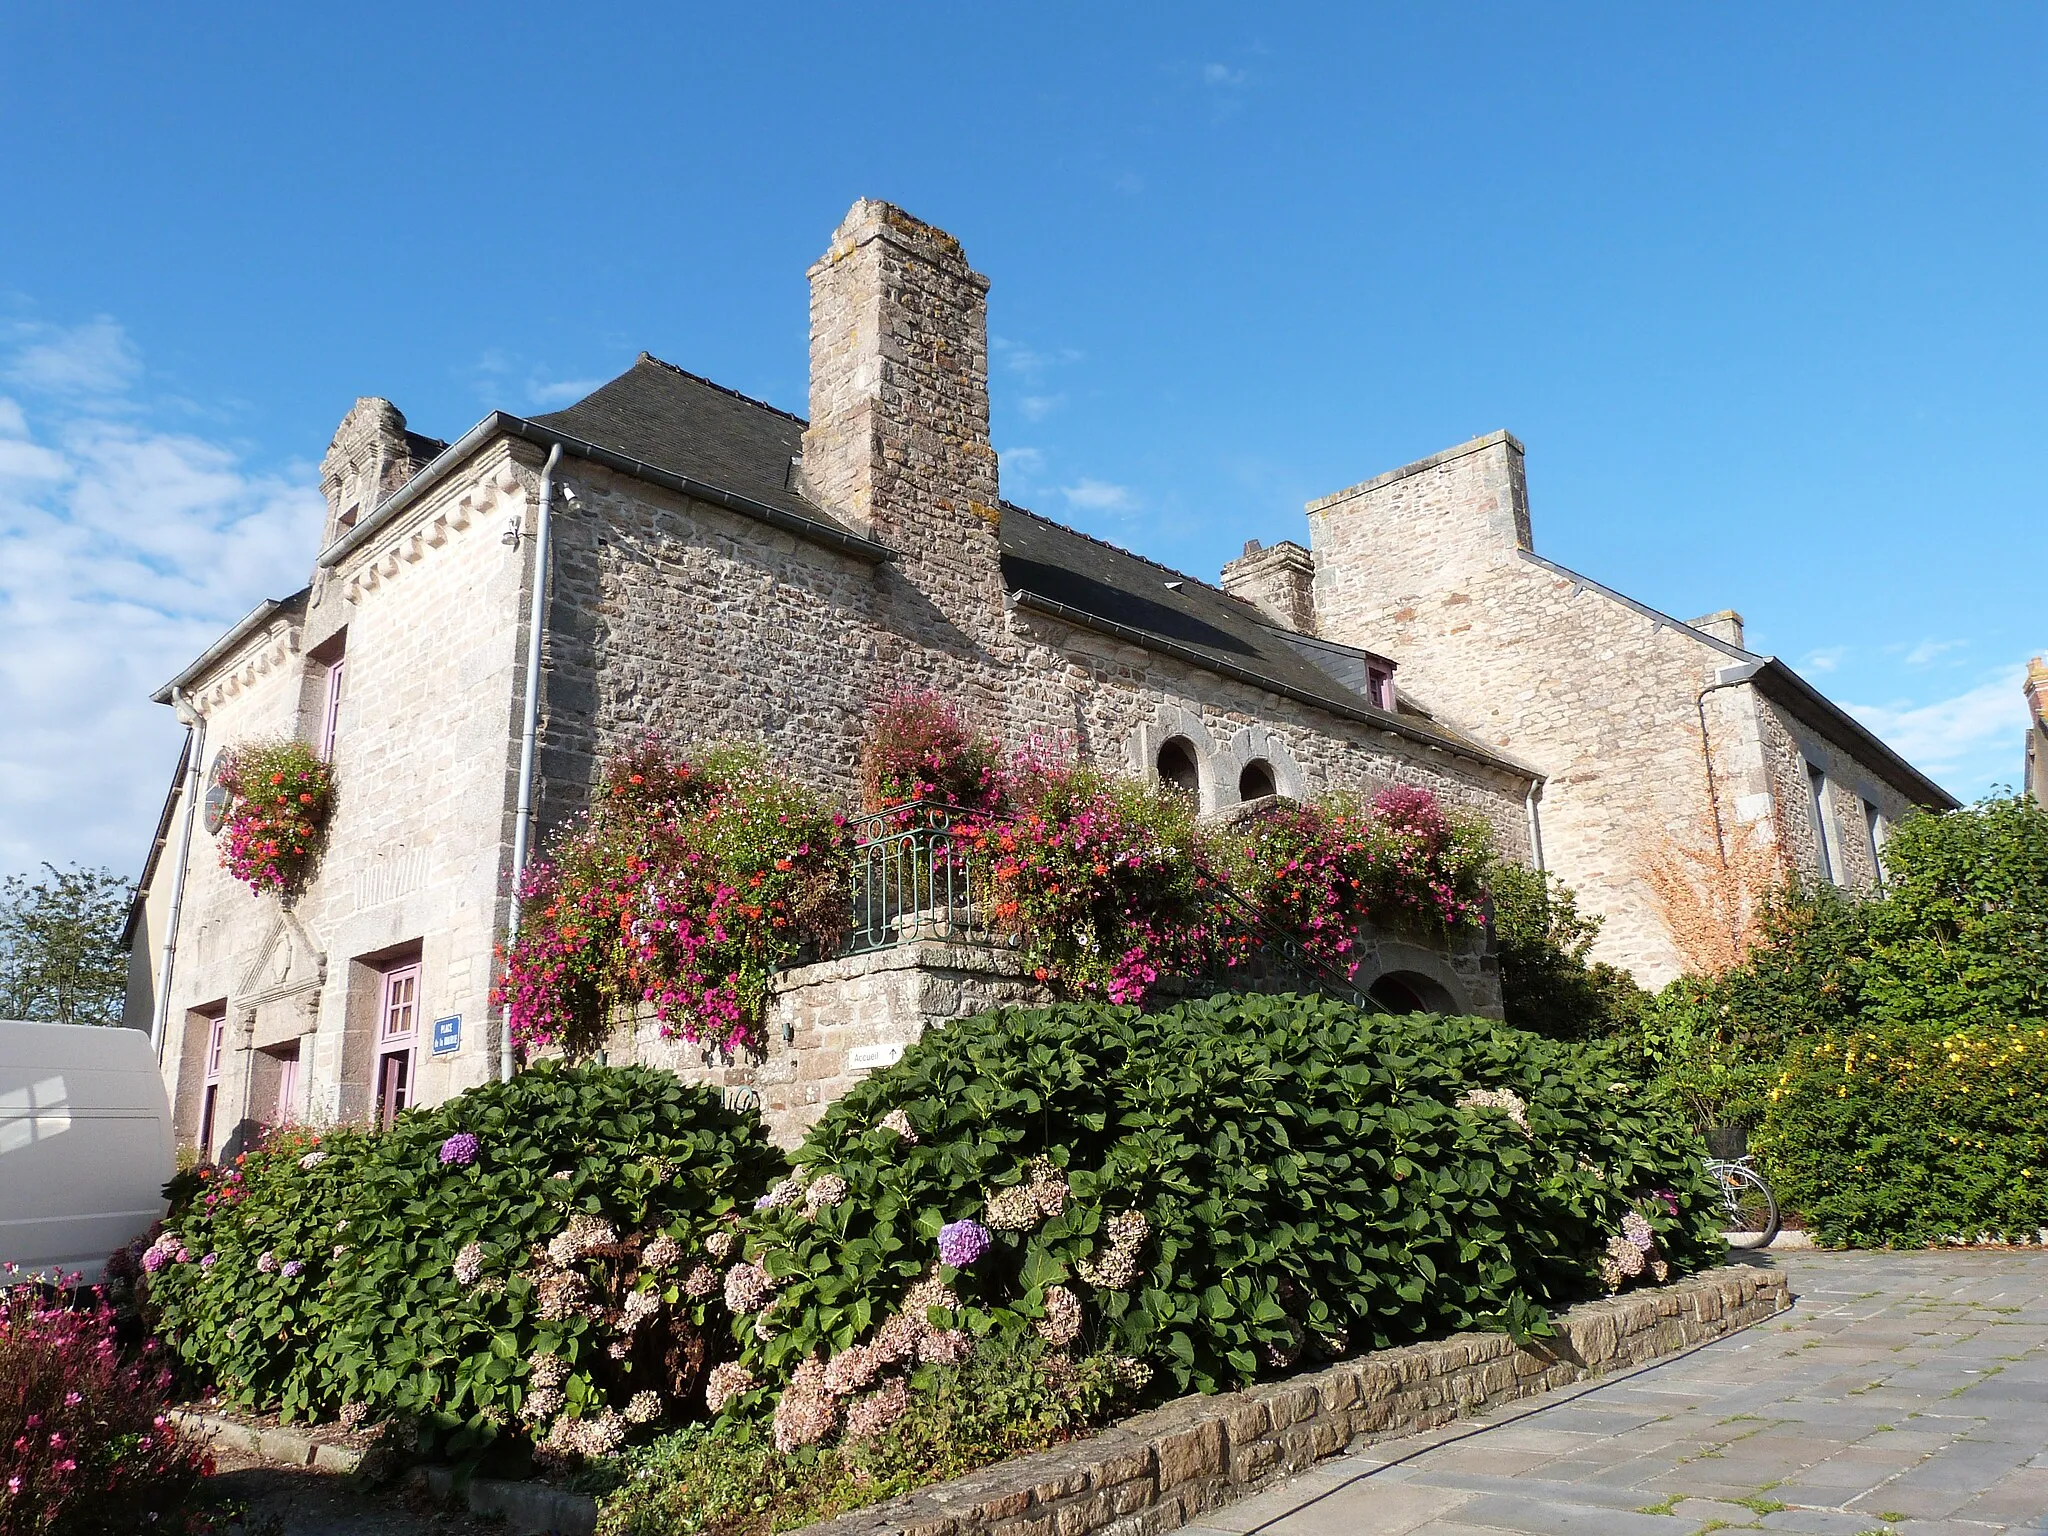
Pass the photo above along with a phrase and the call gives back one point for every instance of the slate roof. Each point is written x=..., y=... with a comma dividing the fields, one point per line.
x=662, y=415
x=1100, y=580
x=668, y=418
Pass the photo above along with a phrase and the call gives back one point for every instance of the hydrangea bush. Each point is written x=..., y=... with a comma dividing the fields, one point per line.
x=1204, y=1195
x=282, y=797
x=85, y=1446
x=535, y=1255
x=237, y=1277
x=687, y=885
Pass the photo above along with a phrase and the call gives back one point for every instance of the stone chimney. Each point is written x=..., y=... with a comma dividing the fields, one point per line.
x=898, y=445
x=368, y=459
x=1724, y=625
x=1279, y=582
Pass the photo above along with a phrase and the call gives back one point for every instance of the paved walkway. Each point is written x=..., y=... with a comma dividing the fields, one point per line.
x=1902, y=1393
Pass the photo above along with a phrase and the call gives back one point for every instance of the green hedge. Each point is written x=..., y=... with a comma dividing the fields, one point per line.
x=407, y=1278
x=1903, y=1137
x=1308, y=1182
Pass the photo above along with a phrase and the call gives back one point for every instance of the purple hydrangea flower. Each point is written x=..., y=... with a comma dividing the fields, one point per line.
x=209, y=1261
x=460, y=1149
x=291, y=1268
x=962, y=1242
x=154, y=1260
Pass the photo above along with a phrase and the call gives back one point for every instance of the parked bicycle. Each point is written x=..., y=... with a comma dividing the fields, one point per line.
x=1752, y=1210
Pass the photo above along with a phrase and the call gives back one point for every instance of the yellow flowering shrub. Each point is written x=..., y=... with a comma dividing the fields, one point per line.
x=1907, y=1137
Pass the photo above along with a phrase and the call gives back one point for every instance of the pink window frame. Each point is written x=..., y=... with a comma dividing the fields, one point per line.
x=209, y=1089
x=287, y=1086
x=398, y=1028
x=330, y=709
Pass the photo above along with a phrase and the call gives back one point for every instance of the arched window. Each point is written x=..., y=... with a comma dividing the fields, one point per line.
x=1178, y=767
x=1256, y=781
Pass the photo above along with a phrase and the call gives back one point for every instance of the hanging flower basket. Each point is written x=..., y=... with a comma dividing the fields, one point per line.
x=281, y=797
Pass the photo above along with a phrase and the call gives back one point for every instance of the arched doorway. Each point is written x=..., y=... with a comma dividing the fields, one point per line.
x=1412, y=992
x=1178, y=765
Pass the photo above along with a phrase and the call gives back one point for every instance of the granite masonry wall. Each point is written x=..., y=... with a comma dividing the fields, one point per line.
x=1432, y=564
x=672, y=615
x=429, y=614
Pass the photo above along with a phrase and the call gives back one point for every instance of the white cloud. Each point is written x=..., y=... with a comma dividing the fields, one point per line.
x=1222, y=75
x=1031, y=362
x=95, y=358
x=1038, y=407
x=504, y=378
x=1088, y=495
x=1826, y=659
x=124, y=551
x=561, y=392
x=1929, y=651
x=1969, y=741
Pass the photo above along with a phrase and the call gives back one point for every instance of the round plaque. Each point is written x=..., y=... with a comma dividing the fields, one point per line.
x=219, y=798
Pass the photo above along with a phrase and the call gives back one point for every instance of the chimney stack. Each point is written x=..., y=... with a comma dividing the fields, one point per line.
x=1723, y=625
x=1279, y=582
x=898, y=445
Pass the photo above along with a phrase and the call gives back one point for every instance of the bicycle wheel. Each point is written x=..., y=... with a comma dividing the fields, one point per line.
x=1752, y=1220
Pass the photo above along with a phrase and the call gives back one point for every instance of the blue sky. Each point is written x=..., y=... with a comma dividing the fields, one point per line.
x=1761, y=288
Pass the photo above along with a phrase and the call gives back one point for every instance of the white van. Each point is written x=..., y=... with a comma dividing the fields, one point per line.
x=85, y=1144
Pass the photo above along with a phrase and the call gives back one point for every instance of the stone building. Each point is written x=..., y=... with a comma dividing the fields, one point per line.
x=1647, y=731
x=719, y=569
x=2034, y=764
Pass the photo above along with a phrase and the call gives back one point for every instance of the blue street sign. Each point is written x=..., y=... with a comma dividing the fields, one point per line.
x=448, y=1035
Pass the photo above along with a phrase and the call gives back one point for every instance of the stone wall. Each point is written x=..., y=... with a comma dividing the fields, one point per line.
x=1163, y=1469
x=831, y=1024
x=1431, y=564
x=418, y=843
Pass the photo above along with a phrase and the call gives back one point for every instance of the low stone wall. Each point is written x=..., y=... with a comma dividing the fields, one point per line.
x=831, y=1024
x=1162, y=1469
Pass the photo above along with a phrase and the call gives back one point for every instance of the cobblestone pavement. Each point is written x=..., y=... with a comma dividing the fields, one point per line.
x=1903, y=1393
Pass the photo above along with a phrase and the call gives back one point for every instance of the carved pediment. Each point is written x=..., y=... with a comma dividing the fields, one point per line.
x=287, y=963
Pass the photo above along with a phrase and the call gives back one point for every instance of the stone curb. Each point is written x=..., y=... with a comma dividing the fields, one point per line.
x=1160, y=1470
x=281, y=1445
x=528, y=1509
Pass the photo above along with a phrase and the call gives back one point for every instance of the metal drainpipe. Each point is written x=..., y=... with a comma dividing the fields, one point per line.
x=194, y=722
x=1535, y=826
x=536, y=624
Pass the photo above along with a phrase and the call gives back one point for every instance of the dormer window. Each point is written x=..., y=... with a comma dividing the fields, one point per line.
x=1379, y=686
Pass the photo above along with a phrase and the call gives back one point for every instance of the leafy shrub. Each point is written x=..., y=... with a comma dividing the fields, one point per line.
x=85, y=1448
x=916, y=747
x=729, y=1479
x=1549, y=983
x=238, y=1280
x=477, y=1265
x=686, y=885
x=1211, y=1191
x=283, y=795
x=1907, y=1137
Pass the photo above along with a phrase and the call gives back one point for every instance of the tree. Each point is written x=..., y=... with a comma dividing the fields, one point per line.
x=61, y=959
x=1547, y=983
